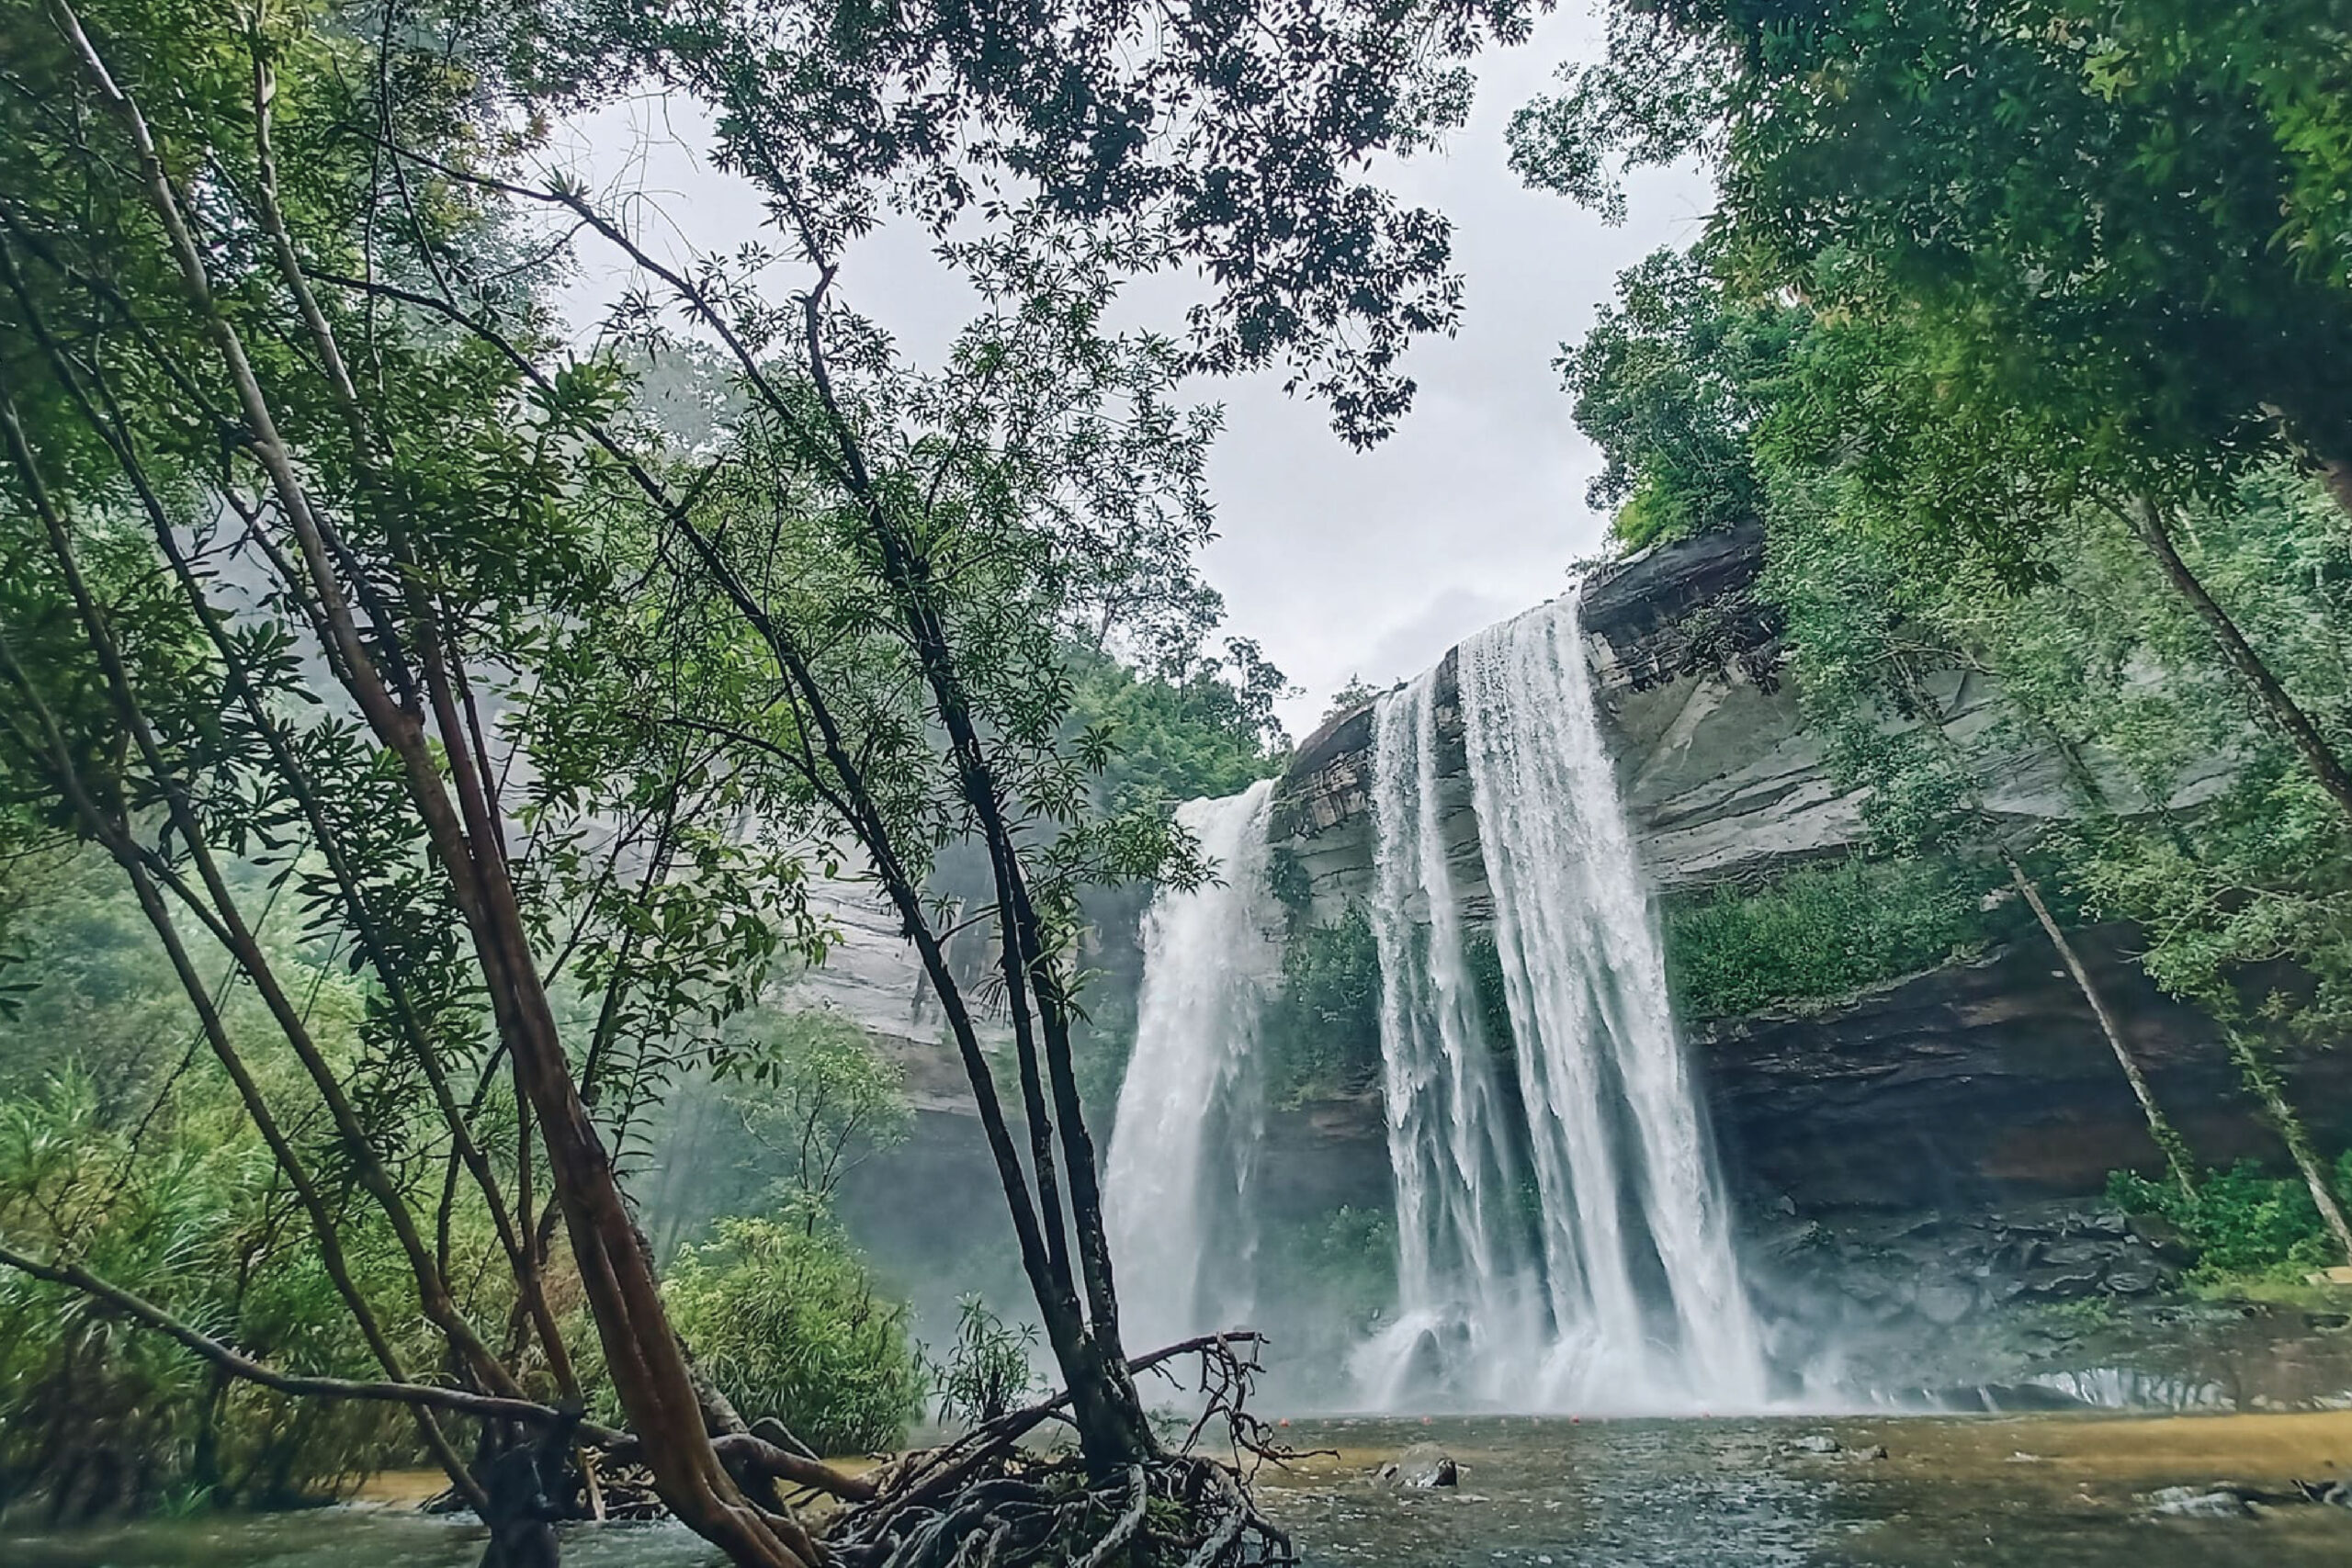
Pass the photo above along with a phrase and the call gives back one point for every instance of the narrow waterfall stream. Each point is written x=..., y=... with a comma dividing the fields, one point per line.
x=1186, y=1137
x=1612, y=1285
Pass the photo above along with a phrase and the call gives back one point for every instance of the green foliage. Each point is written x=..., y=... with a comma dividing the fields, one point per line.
x=2248, y=861
x=90, y=994
x=2098, y=222
x=1346, y=1263
x=1668, y=383
x=1818, y=934
x=99, y=1414
x=1484, y=962
x=989, y=1370
x=1206, y=734
x=2245, y=1224
x=1354, y=693
x=1287, y=880
x=810, y=1088
x=1322, y=1035
x=784, y=1319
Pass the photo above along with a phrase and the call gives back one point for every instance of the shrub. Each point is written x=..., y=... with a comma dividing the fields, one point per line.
x=2245, y=1224
x=1818, y=934
x=99, y=1414
x=785, y=1320
x=988, y=1370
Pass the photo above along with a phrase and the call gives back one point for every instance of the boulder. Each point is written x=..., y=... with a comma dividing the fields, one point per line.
x=1422, y=1466
x=2197, y=1503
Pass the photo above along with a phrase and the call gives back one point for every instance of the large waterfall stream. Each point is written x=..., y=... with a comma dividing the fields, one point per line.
x=1187, y=1128
x=1631, y=1299
x=1563, y=1240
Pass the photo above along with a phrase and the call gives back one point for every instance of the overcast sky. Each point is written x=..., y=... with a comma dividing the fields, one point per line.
x=1340, y=563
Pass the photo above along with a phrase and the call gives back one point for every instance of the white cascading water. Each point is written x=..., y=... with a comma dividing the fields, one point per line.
x=1636, y=1304
x=1466, y=1308
x=1186, y=1137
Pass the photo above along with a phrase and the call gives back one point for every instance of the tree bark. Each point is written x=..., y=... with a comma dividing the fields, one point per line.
x=2169, y=1141
x=2147, y=520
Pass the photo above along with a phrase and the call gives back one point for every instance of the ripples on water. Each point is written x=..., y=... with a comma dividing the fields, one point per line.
x=2049, y=1492
x=1955, y=1494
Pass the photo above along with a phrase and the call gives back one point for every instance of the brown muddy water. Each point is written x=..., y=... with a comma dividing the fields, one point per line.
x=2058, y=1491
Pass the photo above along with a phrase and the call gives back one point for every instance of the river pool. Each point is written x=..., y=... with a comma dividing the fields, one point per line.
x=2060, y=1491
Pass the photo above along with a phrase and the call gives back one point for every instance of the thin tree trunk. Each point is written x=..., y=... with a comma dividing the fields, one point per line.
x=2263, y=1080
x=1113, y=1433
x=2169, y=1141
x=2147, y=520
x=643, y=1357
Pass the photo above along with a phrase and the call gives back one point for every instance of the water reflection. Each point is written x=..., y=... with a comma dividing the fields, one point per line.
x=335, y=1537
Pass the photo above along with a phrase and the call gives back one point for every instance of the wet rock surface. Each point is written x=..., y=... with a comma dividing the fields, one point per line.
x=1941, y=1270
x=2191, y=1503
x=1422, y=1466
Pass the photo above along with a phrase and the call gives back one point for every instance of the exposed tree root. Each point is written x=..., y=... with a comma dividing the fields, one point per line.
x=986, y=1502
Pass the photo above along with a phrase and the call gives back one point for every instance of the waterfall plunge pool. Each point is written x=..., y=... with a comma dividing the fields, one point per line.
x=2055, y=1491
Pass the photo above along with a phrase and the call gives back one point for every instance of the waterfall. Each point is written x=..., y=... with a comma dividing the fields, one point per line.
x=1617, y=1287
x=1465, y=1312
x=1184, y=1140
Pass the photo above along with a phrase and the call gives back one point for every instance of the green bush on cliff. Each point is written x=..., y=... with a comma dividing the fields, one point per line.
x=1322, y=1035
x=1818, y=934
x=2245, y=1224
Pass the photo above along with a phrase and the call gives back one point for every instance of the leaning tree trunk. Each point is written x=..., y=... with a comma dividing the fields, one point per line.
x=2262, y=1077
x=2167, y=1138
x=2147, y=520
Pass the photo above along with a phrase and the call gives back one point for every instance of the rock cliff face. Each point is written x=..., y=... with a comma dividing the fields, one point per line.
x=1720, y=776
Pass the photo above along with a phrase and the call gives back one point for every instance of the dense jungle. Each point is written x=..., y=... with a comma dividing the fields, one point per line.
x=664, y=899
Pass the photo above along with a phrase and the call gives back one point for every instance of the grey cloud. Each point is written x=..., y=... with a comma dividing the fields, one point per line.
x=1338, y=562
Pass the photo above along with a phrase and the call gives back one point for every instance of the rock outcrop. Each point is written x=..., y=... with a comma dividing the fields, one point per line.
x=1983, y=1084
x=1722, y=778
